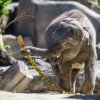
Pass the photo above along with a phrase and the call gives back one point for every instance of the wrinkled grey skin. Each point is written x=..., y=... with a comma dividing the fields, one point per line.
x=71, y=38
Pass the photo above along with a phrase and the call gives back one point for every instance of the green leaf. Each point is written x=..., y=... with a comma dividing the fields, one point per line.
x=3, y=5
x=7, y=46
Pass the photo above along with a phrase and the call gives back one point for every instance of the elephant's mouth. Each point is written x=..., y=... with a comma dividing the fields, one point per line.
x=57, y=57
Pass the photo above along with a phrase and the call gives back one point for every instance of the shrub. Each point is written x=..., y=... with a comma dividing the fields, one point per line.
x=3, y=7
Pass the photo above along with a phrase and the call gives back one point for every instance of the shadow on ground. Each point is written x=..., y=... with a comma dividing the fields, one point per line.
x=83, y=97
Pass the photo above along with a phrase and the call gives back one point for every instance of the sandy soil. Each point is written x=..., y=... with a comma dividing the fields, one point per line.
x=38, y=96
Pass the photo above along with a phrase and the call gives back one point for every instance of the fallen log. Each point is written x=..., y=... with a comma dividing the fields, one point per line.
x=16, y=78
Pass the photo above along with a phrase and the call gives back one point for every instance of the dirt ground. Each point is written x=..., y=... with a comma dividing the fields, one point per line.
x=48, y=96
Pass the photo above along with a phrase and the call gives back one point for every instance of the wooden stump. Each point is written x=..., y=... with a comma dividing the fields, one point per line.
x=16, y=78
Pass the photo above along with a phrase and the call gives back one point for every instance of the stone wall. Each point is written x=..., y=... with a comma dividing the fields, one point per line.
x=44, y=12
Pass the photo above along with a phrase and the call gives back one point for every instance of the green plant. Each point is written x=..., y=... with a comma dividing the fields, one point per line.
x=3, y=11
x=99, y=2
x=3, y=7
x=5, y=47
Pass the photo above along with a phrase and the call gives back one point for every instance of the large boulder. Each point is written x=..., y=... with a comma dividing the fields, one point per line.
x=26, y=26
x=15, y=48
x=44, y=12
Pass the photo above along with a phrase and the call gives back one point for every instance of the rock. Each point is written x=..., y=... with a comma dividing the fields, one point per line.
x=15, y=0
x=37, y=85
x=16, y=78
x=17, y=72
x=5, y=59
x=15, y=48
x=26, y=26
x=45, y=12
x=92, y=4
